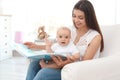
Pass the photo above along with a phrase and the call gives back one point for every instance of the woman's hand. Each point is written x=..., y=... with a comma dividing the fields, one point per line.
x=59, y=62
x=43, y=64
x=50, y=64
x=27, y=43
x=31, y=45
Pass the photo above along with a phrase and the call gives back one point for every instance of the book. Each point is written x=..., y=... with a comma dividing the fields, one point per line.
x=35, y=54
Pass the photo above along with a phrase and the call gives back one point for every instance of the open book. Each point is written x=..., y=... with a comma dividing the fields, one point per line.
x=34, y=54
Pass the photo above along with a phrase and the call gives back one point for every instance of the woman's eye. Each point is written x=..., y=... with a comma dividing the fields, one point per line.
x=80, y=17
x=73, y=16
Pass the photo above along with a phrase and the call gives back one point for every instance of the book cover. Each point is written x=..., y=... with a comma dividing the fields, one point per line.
x=34, y=54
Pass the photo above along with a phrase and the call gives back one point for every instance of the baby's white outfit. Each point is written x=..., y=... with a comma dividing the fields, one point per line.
x=70, y=49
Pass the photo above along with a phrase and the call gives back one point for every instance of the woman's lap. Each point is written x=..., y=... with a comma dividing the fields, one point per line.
x=36, y=73
x=33, y=69
x=48, y=74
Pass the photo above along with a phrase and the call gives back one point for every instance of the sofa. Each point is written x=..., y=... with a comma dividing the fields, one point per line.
x=107, y=67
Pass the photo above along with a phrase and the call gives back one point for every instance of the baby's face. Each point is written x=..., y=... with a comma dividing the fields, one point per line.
x=63, y=37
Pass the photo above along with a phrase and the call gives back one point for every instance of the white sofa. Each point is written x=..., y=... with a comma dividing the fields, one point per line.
x=105, y=68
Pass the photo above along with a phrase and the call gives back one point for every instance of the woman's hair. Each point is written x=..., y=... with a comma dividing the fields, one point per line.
x=90, y=16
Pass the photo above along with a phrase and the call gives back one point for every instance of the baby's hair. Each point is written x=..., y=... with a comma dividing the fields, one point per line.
x=64, y=28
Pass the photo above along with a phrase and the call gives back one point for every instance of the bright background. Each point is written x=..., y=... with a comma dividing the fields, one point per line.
x=28, y=15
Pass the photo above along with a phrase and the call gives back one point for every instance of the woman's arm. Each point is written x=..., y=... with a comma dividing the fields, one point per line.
x=92, y=48
x=89, y=54
x=35, y=46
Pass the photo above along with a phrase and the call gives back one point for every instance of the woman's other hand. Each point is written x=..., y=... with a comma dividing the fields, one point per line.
x=27, y=43
x=31, y=45
x=49, y=64
x=59, y=62
x=43, y=64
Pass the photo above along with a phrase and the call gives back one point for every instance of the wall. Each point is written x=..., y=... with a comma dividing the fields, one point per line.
x=28, y=15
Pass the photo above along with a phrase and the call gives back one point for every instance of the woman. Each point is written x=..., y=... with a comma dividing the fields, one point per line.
x=86, y=35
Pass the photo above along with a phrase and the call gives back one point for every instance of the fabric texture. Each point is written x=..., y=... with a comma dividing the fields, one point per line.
x=70, y=49
x=105, y=68
x=85, y=41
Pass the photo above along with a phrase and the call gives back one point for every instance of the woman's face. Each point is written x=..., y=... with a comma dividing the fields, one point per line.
x=78, y=18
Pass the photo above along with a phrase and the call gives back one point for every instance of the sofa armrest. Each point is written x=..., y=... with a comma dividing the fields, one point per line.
x=106, y=68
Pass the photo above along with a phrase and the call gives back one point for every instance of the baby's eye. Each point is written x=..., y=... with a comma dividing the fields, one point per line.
x=60, y=36
x=66, y=37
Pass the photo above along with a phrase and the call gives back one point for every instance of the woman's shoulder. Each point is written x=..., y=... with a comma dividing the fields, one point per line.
x=93, y=33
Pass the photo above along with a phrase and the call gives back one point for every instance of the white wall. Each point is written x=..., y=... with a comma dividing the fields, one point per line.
x=105, y=11
x=118, y=12
x=28, y=15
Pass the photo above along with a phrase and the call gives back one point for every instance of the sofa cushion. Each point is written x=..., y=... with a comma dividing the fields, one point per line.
x=111, y=40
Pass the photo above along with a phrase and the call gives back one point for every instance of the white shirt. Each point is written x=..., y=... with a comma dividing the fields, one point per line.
x=85, y=41
x=70, y=49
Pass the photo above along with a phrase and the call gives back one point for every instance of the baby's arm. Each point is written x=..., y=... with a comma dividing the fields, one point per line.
x=48, y=45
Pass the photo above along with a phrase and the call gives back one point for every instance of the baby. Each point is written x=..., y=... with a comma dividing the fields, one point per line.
x=64, y=46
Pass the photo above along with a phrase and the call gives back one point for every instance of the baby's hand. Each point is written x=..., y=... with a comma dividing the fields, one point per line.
x=48, y=45
x=47, y=41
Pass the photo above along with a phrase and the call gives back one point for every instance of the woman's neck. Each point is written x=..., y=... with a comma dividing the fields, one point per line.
x=82, y=31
